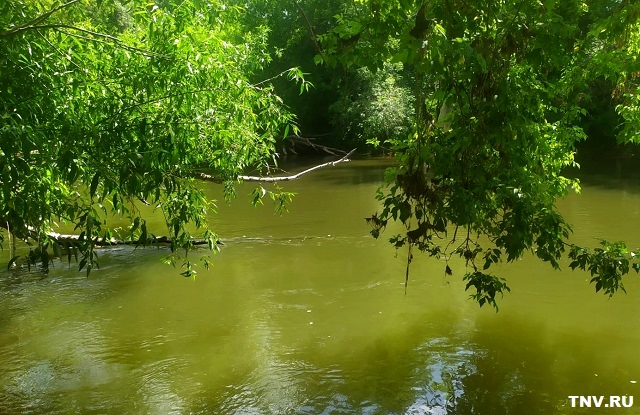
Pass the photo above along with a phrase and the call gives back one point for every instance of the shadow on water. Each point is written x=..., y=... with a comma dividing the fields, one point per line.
x=608, y=170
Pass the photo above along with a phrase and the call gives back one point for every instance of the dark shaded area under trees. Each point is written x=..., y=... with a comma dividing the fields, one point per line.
x=350, y=104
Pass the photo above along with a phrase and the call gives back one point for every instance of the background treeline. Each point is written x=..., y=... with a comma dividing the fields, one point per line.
x=350, y=104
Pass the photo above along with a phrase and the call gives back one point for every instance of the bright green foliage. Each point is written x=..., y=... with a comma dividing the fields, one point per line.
x=107, y=105
x=611, y=50
x=500, y=88
x=374, y=106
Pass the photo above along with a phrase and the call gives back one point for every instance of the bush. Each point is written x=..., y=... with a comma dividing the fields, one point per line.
x=373, y=106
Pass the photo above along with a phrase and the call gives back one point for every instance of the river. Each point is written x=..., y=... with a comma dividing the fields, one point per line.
x=305, y=313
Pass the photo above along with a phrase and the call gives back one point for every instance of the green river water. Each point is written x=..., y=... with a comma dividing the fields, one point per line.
x=307, y=314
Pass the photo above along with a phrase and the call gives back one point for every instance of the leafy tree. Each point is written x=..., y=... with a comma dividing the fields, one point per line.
x=351, y=100
x=292, y=27
x=374, y=106
x=501, y=88
x=105, y=106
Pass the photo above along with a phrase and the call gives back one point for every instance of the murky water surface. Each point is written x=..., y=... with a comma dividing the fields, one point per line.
x=307, y=314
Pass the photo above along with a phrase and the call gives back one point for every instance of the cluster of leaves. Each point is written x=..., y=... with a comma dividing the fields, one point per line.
x=105, y=106
x=606, y=265
x=500, y=88
x=278, y=196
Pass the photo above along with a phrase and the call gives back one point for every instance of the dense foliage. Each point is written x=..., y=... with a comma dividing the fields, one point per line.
x=374, y=106
x=501, y=88
x=292, y=28
x=347, y=105
x=108, y=105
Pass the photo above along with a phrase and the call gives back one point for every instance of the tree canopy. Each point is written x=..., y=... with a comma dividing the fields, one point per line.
x=501, y=88
x=106, y=105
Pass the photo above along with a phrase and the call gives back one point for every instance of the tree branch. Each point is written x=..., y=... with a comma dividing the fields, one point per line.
x=35, y=21
x=308, y=141
x=210, y=178
x=272, y=78
x=310, y=30
x=98, y=37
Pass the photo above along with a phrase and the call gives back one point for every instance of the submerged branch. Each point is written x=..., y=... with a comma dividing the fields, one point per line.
x=309, y=142
x=156, y=240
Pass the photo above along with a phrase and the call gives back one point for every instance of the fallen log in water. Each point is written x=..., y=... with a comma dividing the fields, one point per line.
x=103, y=242
x=69, y=245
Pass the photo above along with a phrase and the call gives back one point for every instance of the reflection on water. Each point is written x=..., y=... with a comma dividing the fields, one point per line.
x=307, y=314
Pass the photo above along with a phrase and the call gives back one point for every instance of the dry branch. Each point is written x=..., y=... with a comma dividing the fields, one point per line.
x=208, y=177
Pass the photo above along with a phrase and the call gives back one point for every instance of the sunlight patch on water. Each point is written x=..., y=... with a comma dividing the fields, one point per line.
x=157, y=387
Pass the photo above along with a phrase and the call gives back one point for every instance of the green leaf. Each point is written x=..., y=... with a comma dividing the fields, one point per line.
x=94, y=184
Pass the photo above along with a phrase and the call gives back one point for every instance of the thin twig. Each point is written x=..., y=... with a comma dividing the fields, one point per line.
x=57, y=49
x=406, y=276
x=272, y=78
x=104, y=36
x=295, y=176
x=151, y=101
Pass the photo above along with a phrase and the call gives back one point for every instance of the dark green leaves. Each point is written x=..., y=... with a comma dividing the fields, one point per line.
x=499, y=93
x=486, y=287
x=607, y=265
x=94, y=184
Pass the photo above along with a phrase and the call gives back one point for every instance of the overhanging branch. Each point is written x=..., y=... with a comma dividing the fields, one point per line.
x=96, y=37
